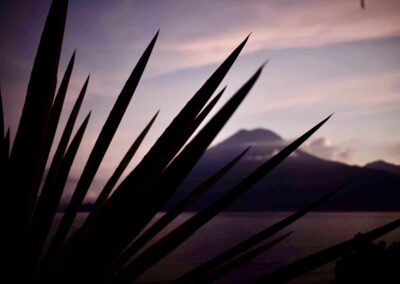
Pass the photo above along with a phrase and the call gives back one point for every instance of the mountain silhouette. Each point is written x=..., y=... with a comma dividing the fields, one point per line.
x=384, y=166
x=244, y=138
x=297, y=181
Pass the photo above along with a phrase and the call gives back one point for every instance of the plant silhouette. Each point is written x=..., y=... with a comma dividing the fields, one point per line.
x=369, y=263
x=103, y=249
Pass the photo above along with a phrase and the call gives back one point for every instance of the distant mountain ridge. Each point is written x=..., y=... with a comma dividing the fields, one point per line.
x=384, y=166
x=298, y=180
x=263, y=143
x=245, y=137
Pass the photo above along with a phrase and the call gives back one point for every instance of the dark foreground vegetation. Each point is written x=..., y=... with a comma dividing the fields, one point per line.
x=107, y=248
x=370, y=263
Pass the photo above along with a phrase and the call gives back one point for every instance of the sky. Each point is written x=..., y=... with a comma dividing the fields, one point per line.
x=324, y=57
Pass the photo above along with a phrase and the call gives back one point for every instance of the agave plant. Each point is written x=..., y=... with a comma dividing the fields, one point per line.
x=110, y=245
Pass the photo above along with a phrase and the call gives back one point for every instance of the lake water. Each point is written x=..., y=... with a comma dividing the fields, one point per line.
x=313, y=232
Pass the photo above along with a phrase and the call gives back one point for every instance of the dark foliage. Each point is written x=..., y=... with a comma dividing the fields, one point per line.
x=369, y=263
x=106, y=248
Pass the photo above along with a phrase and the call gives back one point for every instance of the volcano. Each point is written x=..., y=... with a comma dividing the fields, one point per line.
x=297, y=181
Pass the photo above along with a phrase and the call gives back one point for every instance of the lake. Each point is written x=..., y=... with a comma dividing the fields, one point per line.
x=313, y=232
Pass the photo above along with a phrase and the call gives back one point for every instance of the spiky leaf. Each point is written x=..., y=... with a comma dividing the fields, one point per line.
x=324, y=256
x=99, y=150
x=172, y=213
x=173, y=239
x=252, y=241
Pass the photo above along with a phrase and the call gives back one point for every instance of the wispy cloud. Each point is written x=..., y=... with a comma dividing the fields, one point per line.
x=309, y=23
x=195, y=33
x=361, y=94
x=324, y=148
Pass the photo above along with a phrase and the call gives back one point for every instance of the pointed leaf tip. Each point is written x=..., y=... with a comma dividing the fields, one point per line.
x=265, y=62
x=86, y=120
x=219, y=95
x=327, y=118
x=155, y=37
x=244, y=41
x=258, y=72
x=85, y=85
x=320, y=124
x=155, y=116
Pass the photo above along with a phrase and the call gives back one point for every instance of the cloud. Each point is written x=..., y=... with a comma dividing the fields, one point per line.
x=267, y=156
x=323, y=148
x=278, y=26
x=199, y=33
x=358, y=94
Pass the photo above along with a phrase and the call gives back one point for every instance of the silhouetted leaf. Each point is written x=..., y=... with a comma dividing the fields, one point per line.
x=171, y=178
x=47, y=192
x=57, y=107
x=172, y=213
x=193, y=126
x=237, y=262
x=80, y=234
x=184, y=231
x=252, y=241
x=48, y=195
x=159, y=155
x=4, y=144
x=45, y=216
x=151, y=165
x=99, y=150
x=34, y=244
x=1, y=116
x=322, y=257
x=120, y=169
x=5, y=152
x=29, y=144
x=62, y=145
x=191, y=129
x=7, y=143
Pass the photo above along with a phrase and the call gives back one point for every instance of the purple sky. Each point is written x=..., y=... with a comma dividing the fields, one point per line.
x=325, y=56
